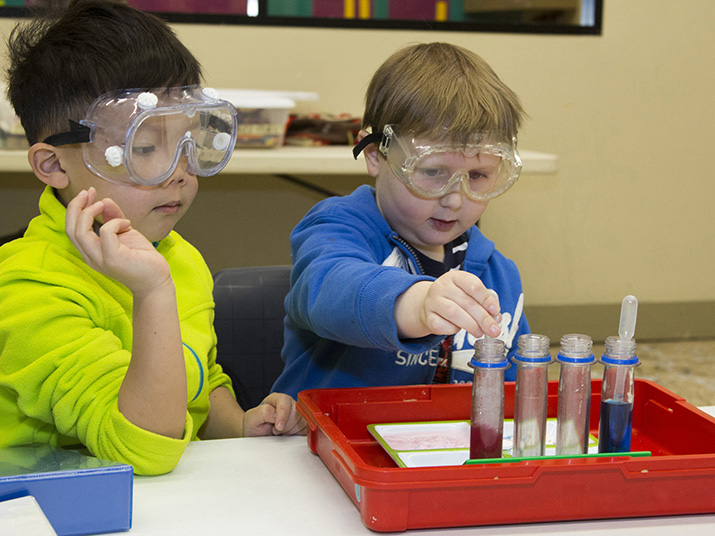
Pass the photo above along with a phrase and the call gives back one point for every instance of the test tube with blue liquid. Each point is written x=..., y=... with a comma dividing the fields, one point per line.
x=532, y=359
x=574, y=400
x=487, y=424
x=619, y=361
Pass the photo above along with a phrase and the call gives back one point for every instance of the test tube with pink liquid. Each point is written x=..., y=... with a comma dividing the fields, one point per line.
x=574, y=401
x=532, y=359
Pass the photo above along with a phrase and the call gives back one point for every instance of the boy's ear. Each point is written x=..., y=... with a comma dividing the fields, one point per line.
x=46, y=166
x=371, y=155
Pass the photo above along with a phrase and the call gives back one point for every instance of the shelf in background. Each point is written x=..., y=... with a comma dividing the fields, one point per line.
x=329, y=160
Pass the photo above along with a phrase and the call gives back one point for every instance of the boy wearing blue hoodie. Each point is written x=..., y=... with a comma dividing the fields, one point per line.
x=392, y=285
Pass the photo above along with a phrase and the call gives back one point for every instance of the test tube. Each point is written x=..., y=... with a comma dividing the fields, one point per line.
x=574, y=400
x=614, y=429
x=531, y=394
x=487, y=425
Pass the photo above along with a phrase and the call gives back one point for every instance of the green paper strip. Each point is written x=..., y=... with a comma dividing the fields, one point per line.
x=637, y=454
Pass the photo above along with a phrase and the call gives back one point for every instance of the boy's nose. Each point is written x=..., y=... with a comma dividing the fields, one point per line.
x=453, y=199
x=183, y=168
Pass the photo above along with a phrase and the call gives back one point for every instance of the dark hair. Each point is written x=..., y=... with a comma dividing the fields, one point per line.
x=62, y=60
x=443, y=91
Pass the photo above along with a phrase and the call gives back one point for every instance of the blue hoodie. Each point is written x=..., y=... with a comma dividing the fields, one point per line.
x=349, y=267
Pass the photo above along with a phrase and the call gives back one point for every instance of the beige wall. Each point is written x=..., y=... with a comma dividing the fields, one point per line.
x=629, y=113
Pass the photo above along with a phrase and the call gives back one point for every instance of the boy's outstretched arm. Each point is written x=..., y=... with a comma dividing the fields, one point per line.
x=276, y=415
x=153, y=394
x=457, y=300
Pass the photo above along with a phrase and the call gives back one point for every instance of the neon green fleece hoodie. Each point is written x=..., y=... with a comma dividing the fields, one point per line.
x=65, y=344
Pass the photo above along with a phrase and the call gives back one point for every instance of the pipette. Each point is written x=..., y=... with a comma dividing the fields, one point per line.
x=627, y=324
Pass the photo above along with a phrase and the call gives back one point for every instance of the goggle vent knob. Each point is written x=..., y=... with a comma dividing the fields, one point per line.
x=147, y=100
x=114, y=156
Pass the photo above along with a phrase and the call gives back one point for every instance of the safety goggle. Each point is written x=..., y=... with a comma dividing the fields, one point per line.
x=140, y=136
x=484, y=166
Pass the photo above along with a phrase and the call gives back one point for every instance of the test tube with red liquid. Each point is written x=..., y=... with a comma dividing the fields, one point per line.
x=487, y=424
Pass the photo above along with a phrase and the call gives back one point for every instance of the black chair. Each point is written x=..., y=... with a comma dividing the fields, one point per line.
x=11, y=237
x=249, y=327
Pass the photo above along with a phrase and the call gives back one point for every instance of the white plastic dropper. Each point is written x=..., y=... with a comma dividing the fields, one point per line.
x=626, y=330
x=629, y=312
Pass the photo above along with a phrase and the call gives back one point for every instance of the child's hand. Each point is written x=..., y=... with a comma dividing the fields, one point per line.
x=276, y=415
x=457, y=300
x=119, y=251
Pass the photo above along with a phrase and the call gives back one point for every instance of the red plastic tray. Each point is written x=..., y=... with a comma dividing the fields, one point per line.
x=679, y=477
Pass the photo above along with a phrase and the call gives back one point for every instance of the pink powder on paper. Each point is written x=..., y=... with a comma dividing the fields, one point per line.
x=451, y=439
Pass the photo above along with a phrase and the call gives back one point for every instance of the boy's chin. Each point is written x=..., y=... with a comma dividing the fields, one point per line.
x=156, y=235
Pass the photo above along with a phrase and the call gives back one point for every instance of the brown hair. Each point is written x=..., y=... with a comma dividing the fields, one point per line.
x=441, y=91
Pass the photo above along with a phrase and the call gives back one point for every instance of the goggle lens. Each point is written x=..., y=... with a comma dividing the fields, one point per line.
x=135, y=144
x=483, y=169
x=438, y=173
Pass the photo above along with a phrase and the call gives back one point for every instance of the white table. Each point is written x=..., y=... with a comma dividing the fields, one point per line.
x=275, y=485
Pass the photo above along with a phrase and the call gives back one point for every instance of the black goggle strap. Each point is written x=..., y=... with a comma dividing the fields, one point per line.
x=76, y=134
x=375, y=137
x=217, y=123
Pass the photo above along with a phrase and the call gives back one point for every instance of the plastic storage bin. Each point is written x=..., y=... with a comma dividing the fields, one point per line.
x=12, y=135
x=262, y=117
x=679, y=477
x=78, y=494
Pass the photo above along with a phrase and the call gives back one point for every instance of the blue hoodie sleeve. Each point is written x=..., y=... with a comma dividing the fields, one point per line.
x=339, y=288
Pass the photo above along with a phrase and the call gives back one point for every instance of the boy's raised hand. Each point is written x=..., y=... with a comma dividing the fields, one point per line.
x=457, y=300
x=118, y=251
x=276, y=415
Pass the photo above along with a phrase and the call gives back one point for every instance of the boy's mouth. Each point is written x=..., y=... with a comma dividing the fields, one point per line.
x=442, y=225
x=169, y=208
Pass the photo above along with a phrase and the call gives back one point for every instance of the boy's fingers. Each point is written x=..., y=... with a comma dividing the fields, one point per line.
x=74, y=207
x=115, y=226
x=484, y=321
x=478, y=324
x=108, y=233
x=111, y=210
x=494, y=309
x=439, y=324
x=283, y=410
x=268, y=413
x=463, y=311
x=471, y=289
x=492, y=328
x=299, y=426
x=485, y=297
x=83, y=235
x=481, y=304
x=492, y=303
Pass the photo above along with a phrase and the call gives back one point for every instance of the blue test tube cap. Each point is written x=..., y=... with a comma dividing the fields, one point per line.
x=585, y=360
x=615, y=361
x=485, y=365
x=545, y=360
x=492, y=353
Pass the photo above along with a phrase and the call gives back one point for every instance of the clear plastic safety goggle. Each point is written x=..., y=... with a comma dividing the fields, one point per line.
x=484, y=166
x=140, y=136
